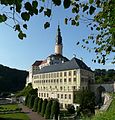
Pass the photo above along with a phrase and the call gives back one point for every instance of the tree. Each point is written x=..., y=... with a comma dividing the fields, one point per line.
x=44, y=107
x=39, y=105
x=31, y=101
x=55, y=110
x=98, y=15
x=48, y=109
x=26, y=100
x=71, y=109
x=35, y=107
x=86, y=99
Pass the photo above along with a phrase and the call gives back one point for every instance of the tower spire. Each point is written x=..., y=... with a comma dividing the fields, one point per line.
x=58, y=36
x=59, y=45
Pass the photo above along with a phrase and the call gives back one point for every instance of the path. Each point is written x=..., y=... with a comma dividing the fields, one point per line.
x=32, y=115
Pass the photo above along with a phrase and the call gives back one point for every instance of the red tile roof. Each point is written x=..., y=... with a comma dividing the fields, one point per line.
x=37, y=63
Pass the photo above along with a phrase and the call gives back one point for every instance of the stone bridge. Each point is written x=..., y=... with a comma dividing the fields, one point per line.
x=101, y=91
x=107, y=87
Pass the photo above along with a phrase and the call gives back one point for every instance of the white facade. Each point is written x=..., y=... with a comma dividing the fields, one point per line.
x=61, y=85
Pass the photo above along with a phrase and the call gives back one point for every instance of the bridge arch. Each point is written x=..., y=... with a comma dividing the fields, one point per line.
x=99, y=94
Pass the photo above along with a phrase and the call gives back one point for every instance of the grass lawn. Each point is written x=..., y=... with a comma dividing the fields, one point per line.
x=12, y=116
x=108, y=115
x=8, y=107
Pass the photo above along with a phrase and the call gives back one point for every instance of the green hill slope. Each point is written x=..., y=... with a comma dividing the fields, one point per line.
x=108, y=115
x=12, y=80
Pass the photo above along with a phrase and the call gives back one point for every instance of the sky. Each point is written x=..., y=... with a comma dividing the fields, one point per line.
x=40, y=43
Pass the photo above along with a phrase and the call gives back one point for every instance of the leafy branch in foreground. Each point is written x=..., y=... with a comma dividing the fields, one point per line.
x=98, y=15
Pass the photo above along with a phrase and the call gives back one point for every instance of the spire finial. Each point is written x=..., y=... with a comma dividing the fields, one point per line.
x=58, y=37
x=59, y=45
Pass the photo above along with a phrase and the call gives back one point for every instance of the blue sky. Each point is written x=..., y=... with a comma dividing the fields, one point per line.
x=40, y=43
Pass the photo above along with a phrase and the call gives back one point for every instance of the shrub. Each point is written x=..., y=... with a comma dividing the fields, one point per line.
x=26, y=100
x=31, y=101
x=35, y=107
x=71, y=109
x=44, y=107
x=48, y=109
x=40, y=105
x=55, y=109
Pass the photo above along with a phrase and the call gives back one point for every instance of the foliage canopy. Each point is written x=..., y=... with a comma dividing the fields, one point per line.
x=99, y=16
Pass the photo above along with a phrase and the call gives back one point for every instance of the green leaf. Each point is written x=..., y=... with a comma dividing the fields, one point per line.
x=41, y=9
x=35, y=11
x=21, y=35
x=3, y=18
x=73, y=22
x=25, y=16
x=77, y=17
x=66, y=3
x=25, y=26
x=75, y=10
x=18, y=8
x=28, y=6
x=98, y=28
x=77, y=23
x=77, y=43
x=66, y=20
x=46, y=25
x=17, y=27
x=47, y=12
x=85, y=8
x=34, y=4
x=57, y=2
x=91, y=1
x=109, y=48
x=92, y=10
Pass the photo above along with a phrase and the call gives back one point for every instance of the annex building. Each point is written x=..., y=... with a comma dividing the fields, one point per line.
x=58, y=77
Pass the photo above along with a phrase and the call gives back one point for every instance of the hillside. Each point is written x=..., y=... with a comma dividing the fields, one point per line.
x=104, y=76
x=108, y=115
x=12, y=80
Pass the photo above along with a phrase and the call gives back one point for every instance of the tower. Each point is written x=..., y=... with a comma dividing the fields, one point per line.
x=58, y=45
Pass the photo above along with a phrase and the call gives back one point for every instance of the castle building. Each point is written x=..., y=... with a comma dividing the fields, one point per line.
x=58, y=77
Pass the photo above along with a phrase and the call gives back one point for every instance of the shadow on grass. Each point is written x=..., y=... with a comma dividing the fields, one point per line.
x=9, y=118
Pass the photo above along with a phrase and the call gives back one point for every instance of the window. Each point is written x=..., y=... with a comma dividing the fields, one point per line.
x=66, y=106
x=39, y=94
x=44, y=94
x=65, y=80
x=57, y=95
x=74, y=72
x=74, y=87
x=60, y=80
x=64, y=73
x=65, y=96
x=74, y=79
x=57, y=80
x=57, y=74
x=54, y=80
x=69, y=79
x=69, y=96
x=61, y=95
x=60, y=74
x=54, y=75
x=61, y=88
x=69, y=73
x=47, y=95
x=61, y=105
